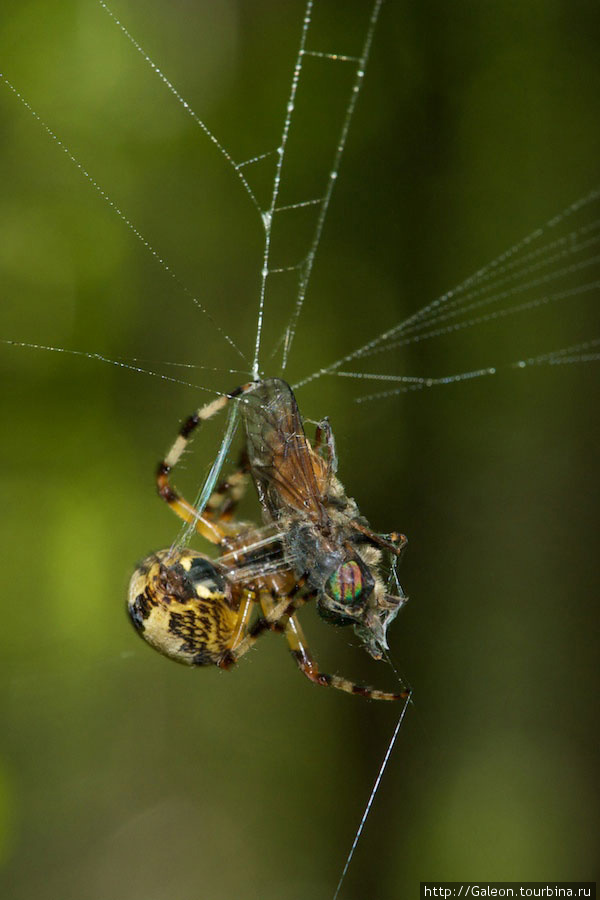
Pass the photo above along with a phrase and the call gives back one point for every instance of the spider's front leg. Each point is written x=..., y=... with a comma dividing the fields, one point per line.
x=206, y=523
x=184, y=604
x=224, y=500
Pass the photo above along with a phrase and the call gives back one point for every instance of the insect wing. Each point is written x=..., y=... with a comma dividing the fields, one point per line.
x=259, y=554
x=286, y=471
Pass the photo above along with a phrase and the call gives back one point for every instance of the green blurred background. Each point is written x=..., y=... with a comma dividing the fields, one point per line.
x=125, y=776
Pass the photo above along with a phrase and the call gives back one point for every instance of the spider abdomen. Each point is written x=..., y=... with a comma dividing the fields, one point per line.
x=182, y=606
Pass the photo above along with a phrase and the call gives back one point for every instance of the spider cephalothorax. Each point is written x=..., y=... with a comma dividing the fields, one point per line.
x=314, y=544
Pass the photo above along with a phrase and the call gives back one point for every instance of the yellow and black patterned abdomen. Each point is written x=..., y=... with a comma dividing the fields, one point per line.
x=182, y=605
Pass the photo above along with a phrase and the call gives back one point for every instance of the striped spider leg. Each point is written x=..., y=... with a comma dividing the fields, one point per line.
x=200, y=611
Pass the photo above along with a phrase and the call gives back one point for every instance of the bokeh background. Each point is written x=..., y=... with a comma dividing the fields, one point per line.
x=123, y=775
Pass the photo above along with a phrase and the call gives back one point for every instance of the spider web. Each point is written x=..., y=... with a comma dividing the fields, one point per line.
x=556, y=263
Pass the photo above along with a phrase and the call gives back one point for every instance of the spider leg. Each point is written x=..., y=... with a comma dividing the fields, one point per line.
x=307, y=665
x=244, y=613
x=180, y=506
x=226, y=496
x=274, y=620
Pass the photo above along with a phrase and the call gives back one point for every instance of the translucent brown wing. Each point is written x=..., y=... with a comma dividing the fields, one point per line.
x=286, y=471
x=260, y=555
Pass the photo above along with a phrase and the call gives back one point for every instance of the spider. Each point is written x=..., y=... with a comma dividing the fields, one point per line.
x=314, y=545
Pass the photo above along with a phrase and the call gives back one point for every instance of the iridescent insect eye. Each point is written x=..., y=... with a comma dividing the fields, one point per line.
x=347, y=584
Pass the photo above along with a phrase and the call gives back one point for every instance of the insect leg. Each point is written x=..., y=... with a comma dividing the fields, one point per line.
x=394, y=542
x=324, y=444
